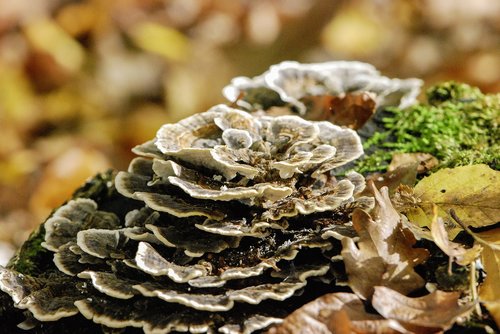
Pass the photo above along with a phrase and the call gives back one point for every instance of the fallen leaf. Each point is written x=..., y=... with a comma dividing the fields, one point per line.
x=428, y=314
x=472, y=191
x=335, y=313
x=489, y=291
x=403, y=175
x=351, y=110
x=384, y=255
x=175, y=46
x=404, y=199
x=457, y=252
x=489, y=238
x=423, y=161
x=47, y=36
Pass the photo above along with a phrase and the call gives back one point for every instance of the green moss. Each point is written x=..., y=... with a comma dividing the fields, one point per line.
x=32, y=255
x=459, y=126
x=452, y=91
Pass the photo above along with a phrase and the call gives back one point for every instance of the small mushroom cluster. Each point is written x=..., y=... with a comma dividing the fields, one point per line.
x=232, y=221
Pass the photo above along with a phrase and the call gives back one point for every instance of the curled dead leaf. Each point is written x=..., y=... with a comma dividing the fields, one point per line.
x=457, y=252
x=432, y=313
x=404, y=175
x=335, y=313
x=384, y=254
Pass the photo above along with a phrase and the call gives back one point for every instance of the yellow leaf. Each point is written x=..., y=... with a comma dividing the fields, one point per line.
x=165, y=41
x=490, y=237
x=472, y=191
x=489, y=291
x=49, y=37
x=17, y=99
x=353, y=32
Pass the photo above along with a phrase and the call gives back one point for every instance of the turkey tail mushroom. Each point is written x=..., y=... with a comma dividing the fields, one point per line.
x=225, y=222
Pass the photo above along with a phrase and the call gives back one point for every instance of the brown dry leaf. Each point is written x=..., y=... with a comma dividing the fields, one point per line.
x=402, y=175
x=351, y=110
x=423, y=161
x=428, y=314
x=384, y=255
x=457, y=252
x=472, y=191
x=335, y=313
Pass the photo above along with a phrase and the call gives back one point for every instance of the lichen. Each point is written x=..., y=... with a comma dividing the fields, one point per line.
x=458, y=125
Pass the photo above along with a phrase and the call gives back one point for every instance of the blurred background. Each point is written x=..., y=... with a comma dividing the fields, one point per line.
x=82, y=82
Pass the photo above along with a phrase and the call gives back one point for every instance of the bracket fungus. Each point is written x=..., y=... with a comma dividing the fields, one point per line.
x=292, y=83
x=226, y=222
